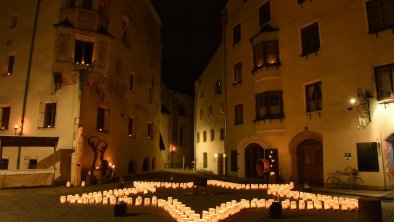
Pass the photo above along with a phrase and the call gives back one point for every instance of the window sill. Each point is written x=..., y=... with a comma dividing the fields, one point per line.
x=102, y=131
x=257, y=68
x=237, y=83
x=386, y=101
x=309, y=113
x=305, y=54
x=382, y=30
x=52, y=127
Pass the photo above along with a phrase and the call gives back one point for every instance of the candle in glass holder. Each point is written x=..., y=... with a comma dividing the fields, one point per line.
x=83, y=183
x=68, y=184
x=147, y=201
x=301, y=204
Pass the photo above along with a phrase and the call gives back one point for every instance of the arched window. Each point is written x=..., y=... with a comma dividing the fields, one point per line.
x=218, y=87
x=145, y=165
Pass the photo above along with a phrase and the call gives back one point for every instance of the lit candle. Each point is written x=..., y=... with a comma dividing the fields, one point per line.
x=68, y=184
x=63, y=199
x=147, y=201
x=301, y=205
x=154, y=201
x=82, y=183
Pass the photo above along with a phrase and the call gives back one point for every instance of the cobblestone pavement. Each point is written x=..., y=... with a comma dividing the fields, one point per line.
x=42, y=204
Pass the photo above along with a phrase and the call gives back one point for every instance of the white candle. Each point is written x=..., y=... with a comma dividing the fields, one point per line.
x=68, y=184
x=82, y=183
x=147, y=201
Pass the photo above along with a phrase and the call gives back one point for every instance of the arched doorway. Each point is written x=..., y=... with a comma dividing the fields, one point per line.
x=253, y=152
x=310, y=162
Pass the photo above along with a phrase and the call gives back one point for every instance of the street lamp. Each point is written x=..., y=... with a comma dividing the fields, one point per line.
x=172, y=155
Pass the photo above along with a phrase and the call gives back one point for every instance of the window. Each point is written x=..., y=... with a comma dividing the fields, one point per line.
x=300, y=1
x=266, y=53
x=181, y=136
x=205, y=160
x=239, y=118
x=237, y=73
x=5, y=117
x=198, y=137
x=102, y=124
x=201, y=113
x=212, y=134
x=218, y=88
x=83, y=52
x=221, y=133
x=153, y=163
x=145, y=164
x=150, y=131
x=237, y=34
x=210, y=111
x=87, y=4
x=264, y=13
x=269, y=105
x=234, y=164
x=4, y=164
x=11, y=61
x=32, y=164
x=14, y=21
x=204, y=136
x=222, y=108
x=310, y=39
x=384, y=81
x=313, y=97
x=367, y=157
x=124, y=31
x=131, y=128
x=131, y=82
x=47, y=115
x=380, y=15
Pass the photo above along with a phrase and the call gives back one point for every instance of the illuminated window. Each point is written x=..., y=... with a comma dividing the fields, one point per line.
x=5, y=117
x=237, y=34
x=380, y=15
x=102, y=124
x=313, y=97
x=150, y=131
x=266, y=53
x=239, y=115
x=264, y=13
x=269, y=105
x=83, y=52
x=237, y=73
x=310, y=39
x=11, y=61
x=131, y=128
x=47, y=115
x=384, y=76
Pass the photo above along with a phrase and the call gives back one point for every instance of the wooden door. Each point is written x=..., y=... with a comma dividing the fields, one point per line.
x=252, y=153
x=310, y=162
x=220, y=164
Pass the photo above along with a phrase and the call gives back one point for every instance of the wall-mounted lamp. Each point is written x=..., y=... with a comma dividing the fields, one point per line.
x=361, y=103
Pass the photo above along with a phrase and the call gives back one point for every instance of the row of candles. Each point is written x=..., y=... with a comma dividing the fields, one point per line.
x=237, y=186
x=309, y=200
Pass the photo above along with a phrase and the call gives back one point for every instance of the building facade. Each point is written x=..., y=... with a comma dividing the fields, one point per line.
x=292, y=68
x=210, y=116
x=82, y=63
x=176, y=128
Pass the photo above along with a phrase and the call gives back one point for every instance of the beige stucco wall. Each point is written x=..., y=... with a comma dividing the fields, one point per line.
x=344, y=63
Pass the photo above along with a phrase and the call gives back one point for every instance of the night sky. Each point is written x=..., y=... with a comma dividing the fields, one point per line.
x=191, y=32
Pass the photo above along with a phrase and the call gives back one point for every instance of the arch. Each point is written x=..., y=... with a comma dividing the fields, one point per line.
x=294, y=143
x=132, y=167
x=241, y=146
x=145, y=164
x=253, y=152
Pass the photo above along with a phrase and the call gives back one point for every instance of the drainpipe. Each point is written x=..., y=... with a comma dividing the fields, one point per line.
x=33, y=37
x=224, y=22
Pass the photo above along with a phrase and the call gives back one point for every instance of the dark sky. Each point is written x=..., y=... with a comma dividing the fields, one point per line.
x=191, y=32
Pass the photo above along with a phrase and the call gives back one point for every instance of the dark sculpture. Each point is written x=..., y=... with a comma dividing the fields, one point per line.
x=99, y=146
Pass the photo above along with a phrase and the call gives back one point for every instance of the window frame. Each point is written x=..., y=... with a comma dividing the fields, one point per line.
x=5, y=117
x=310, y=101
x=212, y=134
x=238, y=113
x=150, y=131
x=310, y=39
x=237, y=74
x=263, y=17
x=103, y=119
x=266, y=51
x=131, y=131
x=82, y=53
x=237, y=34
x=10, y=64
x=378, y=13
x=269, y=97
x=390, y=74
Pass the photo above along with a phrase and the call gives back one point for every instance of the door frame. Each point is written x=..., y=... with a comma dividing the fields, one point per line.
x=294, y=143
